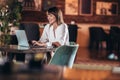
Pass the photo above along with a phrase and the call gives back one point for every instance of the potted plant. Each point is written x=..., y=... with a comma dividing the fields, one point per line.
x=10, y=15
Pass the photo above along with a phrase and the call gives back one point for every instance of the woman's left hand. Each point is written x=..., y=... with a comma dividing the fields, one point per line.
x=56, y=44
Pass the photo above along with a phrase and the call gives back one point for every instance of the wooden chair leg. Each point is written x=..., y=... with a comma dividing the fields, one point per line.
x=48, y=57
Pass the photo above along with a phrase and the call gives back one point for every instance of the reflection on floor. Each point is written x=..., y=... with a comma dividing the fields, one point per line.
x=94, y=59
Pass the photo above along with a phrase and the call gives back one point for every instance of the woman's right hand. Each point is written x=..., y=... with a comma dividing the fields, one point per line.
x=36, y=43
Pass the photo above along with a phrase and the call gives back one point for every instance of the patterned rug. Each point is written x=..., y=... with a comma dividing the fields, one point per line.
x=95, y=64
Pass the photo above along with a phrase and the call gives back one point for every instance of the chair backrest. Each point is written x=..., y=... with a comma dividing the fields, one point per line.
x=72, y=43
x=64, y=55
x=32, y=30
x=97, y=33
x=114, y=33
x=114, y=29
x=13, y=40
x=72, y=32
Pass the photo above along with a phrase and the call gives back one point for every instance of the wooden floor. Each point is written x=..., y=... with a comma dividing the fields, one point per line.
x=90, y=74
x=85, y=53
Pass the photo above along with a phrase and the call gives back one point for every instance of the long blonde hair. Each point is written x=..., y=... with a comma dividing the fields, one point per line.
x=57, y=13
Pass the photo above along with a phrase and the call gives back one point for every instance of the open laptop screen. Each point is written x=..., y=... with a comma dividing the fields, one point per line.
x=22, y=38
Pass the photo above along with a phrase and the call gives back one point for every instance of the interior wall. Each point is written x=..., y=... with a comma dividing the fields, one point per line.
x=40, y=16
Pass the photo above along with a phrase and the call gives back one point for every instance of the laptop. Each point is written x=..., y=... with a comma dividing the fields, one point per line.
x=23, y=42
x=22, y=38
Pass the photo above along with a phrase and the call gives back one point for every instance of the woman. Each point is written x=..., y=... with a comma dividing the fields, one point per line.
x=55, y=32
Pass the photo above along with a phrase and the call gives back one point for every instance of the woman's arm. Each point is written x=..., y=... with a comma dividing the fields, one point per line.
x=44, y=36
x=62, y=35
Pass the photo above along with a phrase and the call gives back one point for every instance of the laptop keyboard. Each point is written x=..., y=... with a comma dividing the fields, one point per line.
x=35, y=46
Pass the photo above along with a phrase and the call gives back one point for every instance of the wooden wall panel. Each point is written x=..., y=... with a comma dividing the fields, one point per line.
x=40, y=16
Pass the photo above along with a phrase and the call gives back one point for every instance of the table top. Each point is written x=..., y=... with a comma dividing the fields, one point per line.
x=23, y=72
x=24, y=49
x=54, y=72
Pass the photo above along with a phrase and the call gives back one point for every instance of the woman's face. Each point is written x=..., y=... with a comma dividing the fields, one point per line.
x=51, y=18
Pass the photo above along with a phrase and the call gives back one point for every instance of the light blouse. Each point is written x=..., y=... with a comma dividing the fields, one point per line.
x=60, y=34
